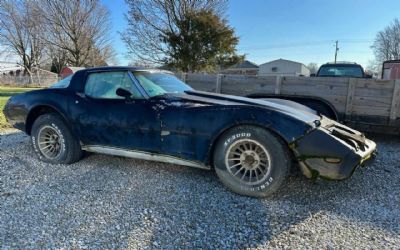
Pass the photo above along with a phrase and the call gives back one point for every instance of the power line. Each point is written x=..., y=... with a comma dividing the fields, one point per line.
x=303, y=44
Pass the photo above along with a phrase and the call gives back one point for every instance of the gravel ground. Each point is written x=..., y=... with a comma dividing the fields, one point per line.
x=112, y=202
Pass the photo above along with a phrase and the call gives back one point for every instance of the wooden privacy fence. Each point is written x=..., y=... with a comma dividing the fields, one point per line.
x=369, y=101
x=26, y=81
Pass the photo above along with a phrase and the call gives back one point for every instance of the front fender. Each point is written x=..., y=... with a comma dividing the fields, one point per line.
x=286, y=127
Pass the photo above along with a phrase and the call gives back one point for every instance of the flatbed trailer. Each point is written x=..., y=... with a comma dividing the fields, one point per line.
x=370, y=105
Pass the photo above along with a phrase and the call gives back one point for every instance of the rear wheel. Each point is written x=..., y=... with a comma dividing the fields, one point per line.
x=251, y=161
x=53, y=141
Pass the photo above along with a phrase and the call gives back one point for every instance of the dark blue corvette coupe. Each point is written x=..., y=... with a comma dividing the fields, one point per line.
x=152, y=115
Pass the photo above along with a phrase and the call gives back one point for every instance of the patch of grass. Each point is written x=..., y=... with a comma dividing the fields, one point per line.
x=5, y=93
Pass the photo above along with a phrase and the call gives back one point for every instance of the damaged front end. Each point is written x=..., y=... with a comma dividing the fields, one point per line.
x=332, y=151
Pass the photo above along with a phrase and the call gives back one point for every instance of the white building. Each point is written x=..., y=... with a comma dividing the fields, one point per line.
x=283, y=67
x=9, y=68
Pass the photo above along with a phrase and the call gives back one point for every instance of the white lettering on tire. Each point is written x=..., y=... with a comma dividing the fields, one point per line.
x=259, y=188
x=35, y=147
x=236, y=136
x=63, y=146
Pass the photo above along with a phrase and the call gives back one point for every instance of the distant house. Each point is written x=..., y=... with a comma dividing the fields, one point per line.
x=66, y=71
x=44, y=73
x=243, y=68
x=283, y=67
x=14, y=69
x=8, y=68
x=13, y=74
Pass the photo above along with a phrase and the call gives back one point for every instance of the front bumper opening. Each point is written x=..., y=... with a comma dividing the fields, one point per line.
x=333, y=151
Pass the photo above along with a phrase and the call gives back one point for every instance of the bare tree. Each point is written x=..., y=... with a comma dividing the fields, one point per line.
x=21, y=25
x=387, y=43
x=102, y=57
x=80, y=28
x=374, y=68
x=152, y=22
x=313, y=67
x=57, y=58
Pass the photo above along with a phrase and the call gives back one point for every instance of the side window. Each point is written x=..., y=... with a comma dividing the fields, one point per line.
x=105, y=84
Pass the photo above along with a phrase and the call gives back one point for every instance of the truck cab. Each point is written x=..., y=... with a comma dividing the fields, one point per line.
x=342, y=70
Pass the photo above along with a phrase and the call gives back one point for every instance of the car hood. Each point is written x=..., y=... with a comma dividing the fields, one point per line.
x=289, y=108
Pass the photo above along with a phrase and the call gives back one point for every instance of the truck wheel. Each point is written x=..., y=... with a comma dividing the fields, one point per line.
x=251, y=161
x=53, y=141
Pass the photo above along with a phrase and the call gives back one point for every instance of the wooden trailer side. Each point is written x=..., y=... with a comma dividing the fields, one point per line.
x=367, y=104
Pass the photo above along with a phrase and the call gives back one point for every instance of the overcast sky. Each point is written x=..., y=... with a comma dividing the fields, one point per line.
x=303, y=30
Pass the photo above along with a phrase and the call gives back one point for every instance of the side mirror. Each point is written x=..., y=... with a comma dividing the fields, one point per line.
x=312, y=75
x=123, y=93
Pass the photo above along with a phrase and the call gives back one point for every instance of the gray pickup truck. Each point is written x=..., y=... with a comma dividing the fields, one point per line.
x=342, y=69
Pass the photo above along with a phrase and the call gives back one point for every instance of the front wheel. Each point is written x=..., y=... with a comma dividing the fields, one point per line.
x=251, y=161
x=53, y=141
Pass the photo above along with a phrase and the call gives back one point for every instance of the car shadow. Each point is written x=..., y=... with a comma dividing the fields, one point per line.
x=105, y=200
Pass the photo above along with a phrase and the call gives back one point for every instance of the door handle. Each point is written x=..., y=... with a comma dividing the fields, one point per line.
x=81, y=95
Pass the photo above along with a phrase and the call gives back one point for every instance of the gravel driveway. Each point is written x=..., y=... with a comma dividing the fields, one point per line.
x=113, y=202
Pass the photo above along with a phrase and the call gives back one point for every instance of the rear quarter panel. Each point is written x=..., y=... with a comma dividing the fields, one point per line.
x=20, y=106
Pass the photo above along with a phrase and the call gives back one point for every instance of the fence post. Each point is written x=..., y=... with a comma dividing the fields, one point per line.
x=184, y=77
x=218, y=85
x=278, y=84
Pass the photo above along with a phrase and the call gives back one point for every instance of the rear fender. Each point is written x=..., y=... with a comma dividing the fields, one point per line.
x=43, y=108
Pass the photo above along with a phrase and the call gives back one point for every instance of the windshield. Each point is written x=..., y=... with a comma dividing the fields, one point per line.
x=63, y=83
x=344, y=71
x=157, y=83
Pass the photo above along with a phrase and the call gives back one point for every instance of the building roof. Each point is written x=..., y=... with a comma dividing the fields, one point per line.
x=76, y=68
x=73, y=69
x=10, y=69
x=280, y=59
x=46, y=71
x=9, y=66
x=244, y=65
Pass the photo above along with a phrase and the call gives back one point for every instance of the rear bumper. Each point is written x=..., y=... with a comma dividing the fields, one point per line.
x=333, y=151
x=16, y=117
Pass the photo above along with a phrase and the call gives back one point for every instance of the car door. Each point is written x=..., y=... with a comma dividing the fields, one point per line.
x=104, y=118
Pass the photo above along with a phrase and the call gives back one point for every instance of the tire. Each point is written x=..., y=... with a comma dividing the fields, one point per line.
x=265, y=172
x=50, y=130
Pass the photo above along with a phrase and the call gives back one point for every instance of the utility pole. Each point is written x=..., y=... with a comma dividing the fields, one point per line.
x=336, y=49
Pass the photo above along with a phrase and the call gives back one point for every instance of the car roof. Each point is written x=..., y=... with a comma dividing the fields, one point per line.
x=341, y=64
x=115, y=68
x=124, y=68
